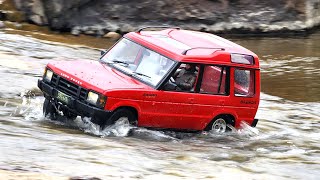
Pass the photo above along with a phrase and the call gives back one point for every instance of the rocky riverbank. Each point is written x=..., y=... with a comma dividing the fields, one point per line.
x=217, y=16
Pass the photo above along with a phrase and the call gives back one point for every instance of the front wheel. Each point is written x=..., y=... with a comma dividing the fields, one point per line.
x=69, y=115
x=49, y=110
x=122, y=116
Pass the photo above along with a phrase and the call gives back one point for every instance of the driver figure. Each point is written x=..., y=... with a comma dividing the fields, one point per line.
x=185, y=78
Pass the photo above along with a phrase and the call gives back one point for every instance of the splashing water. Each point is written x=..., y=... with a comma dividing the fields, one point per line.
x=31, y=110
x=30, y=107
x=247, y=130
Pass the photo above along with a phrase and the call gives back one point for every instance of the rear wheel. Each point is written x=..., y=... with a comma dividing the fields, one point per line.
x=49, y=110
x=220, y=124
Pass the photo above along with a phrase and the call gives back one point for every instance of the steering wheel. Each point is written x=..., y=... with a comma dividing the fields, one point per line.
x=171, y=85
x=172, y=80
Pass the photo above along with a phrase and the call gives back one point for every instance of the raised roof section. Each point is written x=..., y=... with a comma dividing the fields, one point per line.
x=185, y=45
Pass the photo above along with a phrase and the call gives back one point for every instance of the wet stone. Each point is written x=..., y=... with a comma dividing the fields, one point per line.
x=76, y=31
x=112, y=35
x=2, y=25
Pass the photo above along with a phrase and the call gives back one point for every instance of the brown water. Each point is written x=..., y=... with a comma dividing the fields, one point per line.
x=285, y=144
x=290, y=66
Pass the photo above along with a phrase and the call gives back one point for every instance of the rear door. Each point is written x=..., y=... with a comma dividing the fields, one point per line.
x=245, y=92
x=213, y=94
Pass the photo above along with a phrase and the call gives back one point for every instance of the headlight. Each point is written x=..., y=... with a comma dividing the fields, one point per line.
x=48, y=75
x=96, y=99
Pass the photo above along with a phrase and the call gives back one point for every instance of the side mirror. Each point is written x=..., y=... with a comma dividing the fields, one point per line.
x=102, y=52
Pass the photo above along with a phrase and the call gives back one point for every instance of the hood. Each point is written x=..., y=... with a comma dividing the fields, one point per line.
x=94, y=75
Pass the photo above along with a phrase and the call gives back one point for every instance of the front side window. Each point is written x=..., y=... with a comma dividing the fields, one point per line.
x=244, y=82
x=214, y=80
x=138, y=61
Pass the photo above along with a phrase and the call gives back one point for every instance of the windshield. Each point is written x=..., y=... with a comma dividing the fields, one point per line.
x=138, y=61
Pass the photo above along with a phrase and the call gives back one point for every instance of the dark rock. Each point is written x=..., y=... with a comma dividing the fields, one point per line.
x=33, y=10
x=221, y=16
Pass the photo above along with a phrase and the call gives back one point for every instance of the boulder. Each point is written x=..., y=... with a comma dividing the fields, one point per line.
x=33, y=10
x=112, y=36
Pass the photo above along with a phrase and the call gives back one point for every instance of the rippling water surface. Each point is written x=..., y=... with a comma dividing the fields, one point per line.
x=285, y=144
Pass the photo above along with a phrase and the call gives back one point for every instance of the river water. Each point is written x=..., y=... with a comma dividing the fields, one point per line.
x=284, y=145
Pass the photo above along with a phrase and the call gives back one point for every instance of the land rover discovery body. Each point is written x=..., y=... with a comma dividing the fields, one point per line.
x=136, y=81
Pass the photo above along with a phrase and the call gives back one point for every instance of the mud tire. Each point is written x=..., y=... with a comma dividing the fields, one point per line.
x=49, y=110
x=119, y=114
x=69, y=115
x=220, y=124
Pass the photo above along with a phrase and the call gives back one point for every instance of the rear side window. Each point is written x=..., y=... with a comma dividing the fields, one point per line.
x=244, y=82
x=214, y=80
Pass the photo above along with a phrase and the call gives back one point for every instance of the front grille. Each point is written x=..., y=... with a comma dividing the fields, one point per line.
x=54, y=79
x=69, y=88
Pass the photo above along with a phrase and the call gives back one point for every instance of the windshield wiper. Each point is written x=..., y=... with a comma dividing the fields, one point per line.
x=114, y=62
x=140, y=74
x=120, y=62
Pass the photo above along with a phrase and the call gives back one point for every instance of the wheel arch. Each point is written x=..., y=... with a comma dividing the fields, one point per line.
x=130, y=108
x=123, y=103
x=227, y=116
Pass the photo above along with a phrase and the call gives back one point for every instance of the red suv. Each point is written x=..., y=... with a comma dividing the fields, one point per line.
x=170, y=79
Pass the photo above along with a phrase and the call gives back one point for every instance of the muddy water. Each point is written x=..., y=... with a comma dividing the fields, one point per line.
x=285, y=144
x=290, y=66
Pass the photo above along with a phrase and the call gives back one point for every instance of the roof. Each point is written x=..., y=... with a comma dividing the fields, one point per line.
x=190, y=46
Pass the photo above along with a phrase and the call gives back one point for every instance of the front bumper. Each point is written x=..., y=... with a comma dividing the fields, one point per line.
x=254, y=123
x=74, y=105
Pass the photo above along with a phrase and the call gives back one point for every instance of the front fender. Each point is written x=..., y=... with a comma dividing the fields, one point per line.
x=115, y=103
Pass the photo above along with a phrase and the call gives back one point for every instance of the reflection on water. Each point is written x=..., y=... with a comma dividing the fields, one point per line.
x=290, y=66
x=285, y=144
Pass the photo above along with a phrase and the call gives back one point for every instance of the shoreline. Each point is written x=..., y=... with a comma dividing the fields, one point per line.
x=98, y=42
x=43, y=33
